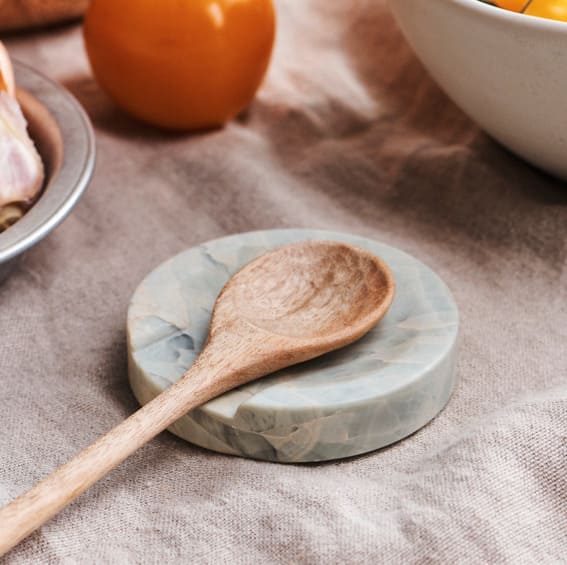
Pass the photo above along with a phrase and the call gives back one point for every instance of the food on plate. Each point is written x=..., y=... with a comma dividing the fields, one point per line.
x=550, y=9
x=6, y=72
x=180, y=64
x=21, y=168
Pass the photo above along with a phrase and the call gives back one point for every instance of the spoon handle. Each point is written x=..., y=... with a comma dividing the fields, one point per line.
x=25, y=514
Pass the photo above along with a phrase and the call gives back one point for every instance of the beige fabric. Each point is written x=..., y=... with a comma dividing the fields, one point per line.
x=350, y=134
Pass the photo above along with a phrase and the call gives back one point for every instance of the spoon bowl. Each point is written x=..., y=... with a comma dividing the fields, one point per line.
x=287, y=306
x=310, y=290
x=298, y=302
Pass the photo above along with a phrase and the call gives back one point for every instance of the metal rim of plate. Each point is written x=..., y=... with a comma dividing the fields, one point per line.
x=359, y=399
x=65, y=190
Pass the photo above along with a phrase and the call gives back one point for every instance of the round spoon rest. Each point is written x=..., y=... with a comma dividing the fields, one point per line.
x=363, y=397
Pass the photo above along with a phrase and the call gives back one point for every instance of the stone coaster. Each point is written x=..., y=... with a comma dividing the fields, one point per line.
x=358, y=399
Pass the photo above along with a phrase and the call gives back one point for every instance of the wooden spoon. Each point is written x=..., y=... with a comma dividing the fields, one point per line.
x=290, y=305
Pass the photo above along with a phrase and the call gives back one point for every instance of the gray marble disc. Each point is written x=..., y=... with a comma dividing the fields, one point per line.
x=366, y=396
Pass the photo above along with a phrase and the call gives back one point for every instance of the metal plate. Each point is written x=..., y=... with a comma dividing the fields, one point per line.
x=68, y=170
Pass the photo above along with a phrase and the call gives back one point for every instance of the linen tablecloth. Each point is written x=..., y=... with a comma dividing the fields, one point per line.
x=348, y=133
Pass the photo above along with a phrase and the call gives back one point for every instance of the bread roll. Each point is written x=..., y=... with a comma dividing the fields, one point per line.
x=20, y=14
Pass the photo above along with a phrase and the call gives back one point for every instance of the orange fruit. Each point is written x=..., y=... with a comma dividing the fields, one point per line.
x=180, y=64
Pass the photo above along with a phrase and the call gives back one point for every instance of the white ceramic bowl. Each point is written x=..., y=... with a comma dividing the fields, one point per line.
x=507, y=71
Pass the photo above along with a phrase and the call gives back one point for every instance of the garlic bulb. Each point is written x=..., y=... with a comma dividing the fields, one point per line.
x=21, y=169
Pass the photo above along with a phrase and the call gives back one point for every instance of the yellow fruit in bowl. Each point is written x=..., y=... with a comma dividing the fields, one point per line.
x=550, y=9
x=180, y=64
x=513, y=5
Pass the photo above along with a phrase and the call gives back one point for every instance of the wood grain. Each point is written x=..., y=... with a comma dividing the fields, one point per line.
x=285, y=307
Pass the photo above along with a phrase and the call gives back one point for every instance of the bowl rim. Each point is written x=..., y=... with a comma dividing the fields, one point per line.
x=65, y=189
x=512, y=17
